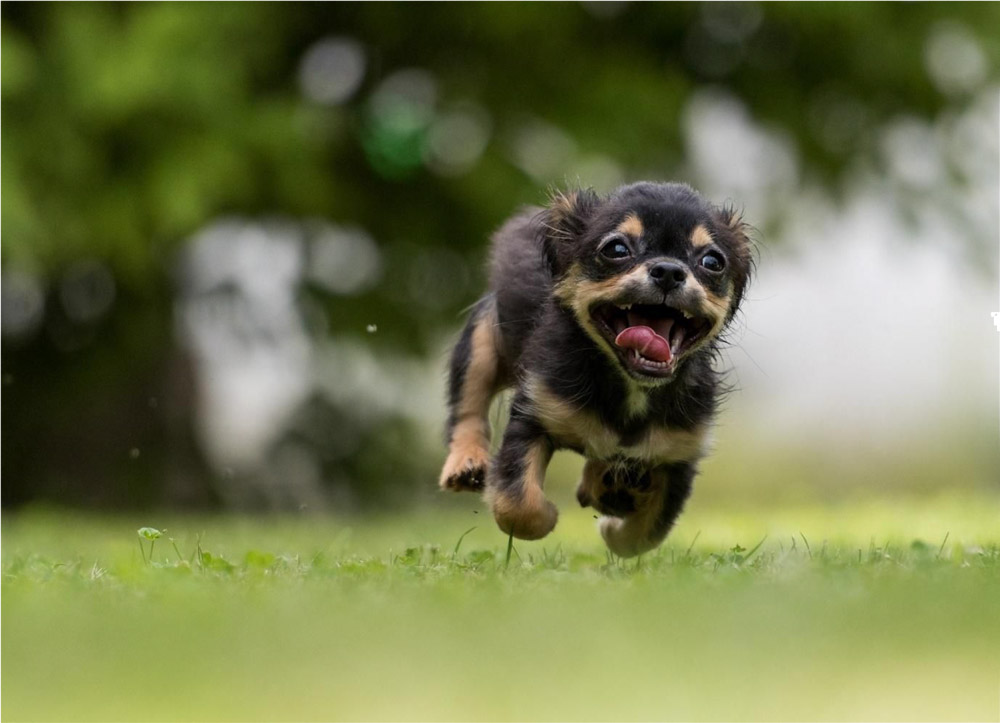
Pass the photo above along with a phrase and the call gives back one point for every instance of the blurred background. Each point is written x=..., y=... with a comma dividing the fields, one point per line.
x=238, y=239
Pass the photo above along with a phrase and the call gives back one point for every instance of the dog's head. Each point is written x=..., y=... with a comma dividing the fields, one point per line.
x=652, y=273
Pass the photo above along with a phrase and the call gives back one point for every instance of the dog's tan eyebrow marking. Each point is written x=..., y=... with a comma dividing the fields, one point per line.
x=700, y=237
x=631, y=226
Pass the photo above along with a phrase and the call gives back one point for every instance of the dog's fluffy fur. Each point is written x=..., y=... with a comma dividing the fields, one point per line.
x=604, y=314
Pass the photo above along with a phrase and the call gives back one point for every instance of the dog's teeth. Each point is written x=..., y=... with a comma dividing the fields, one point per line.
x=687, y=315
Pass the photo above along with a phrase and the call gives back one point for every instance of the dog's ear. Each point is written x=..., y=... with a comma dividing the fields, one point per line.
x=563, y=223
x=736, y=238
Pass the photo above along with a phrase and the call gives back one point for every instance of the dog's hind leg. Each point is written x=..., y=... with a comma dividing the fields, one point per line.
x=474, y=378
x=646, y=527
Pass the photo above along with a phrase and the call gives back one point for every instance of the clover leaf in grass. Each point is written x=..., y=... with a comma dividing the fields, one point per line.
x=152, y=534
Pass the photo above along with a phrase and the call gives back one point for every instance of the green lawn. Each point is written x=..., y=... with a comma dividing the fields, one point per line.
x=851, y=611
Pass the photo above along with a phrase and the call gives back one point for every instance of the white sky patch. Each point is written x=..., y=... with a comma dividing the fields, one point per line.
x=912, y=153
x=239, y=317
x=732, y=156
x=867, y=331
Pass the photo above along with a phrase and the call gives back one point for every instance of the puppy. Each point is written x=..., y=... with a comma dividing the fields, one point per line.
x=604, y=315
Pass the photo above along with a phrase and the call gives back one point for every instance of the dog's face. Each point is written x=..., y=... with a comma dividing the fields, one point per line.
x=652, y=273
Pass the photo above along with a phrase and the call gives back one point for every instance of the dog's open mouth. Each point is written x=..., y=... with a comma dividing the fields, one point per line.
x=650, y=337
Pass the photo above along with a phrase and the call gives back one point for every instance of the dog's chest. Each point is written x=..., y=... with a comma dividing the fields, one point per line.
x=583, y=430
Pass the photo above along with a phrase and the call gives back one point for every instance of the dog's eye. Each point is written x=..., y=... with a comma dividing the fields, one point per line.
x=615, y=249
x=713, y=261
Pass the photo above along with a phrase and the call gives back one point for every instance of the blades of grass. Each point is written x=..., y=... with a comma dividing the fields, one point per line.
x=510, y=546
x=691, y=546
x=808, y=549
x=756, y=547
x=941, y=549
x=143, y=552
x=180, y=557
x=462, y=537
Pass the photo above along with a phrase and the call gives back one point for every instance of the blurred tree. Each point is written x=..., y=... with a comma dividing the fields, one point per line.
x=129, y=127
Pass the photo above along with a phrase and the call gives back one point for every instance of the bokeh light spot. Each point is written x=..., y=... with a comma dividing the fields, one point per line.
x=23, y=304
x=332, y=70
x=457, y=139
x=954, y=59
x=399, y=113
x=87, y=291
x=344, y=260
x=542, y=150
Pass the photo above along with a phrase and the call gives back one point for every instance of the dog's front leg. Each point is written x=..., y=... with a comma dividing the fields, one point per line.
x=514, y=486
x=645, y=528
x=473, y=380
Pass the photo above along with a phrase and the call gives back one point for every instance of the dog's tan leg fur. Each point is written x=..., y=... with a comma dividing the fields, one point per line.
x=590, y=481
x=635, y=534
x=469, y=443
x=525, y=512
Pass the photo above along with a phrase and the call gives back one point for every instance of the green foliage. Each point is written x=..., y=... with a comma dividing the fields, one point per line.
x=128, y=127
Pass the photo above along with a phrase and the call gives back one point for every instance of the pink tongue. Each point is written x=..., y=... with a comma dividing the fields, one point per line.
x=648, y=343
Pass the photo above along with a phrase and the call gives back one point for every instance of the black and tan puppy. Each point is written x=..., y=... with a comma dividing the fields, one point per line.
x=604, y=314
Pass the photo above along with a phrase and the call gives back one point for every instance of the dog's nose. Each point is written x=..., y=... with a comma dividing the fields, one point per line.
x=668, y=275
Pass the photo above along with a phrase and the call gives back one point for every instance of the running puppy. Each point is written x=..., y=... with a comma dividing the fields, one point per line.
x=604, y=314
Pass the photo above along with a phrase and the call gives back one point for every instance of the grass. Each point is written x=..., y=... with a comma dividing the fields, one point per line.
x=877, y=610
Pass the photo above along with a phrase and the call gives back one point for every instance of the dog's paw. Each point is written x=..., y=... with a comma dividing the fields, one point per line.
x=616, y=490
x=624, y=536
x=465, y=469
x=529, y=518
